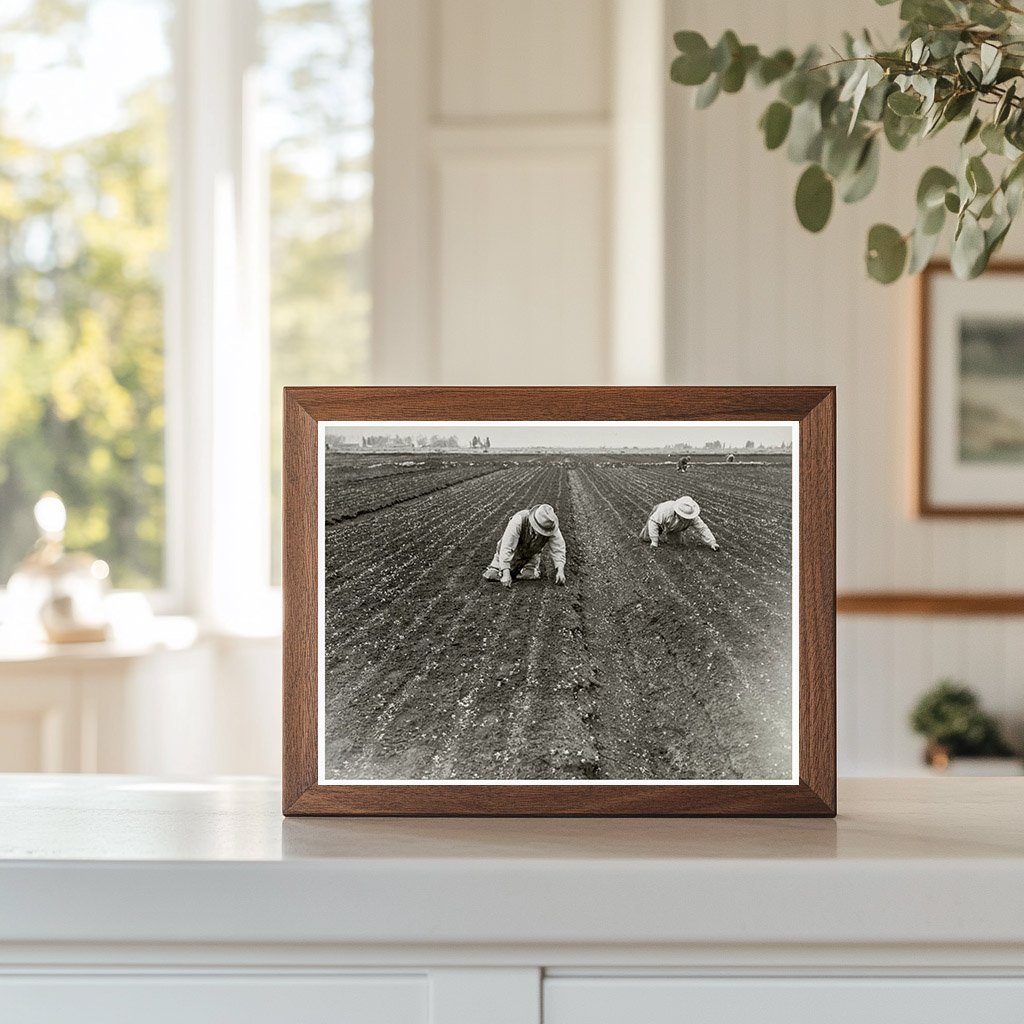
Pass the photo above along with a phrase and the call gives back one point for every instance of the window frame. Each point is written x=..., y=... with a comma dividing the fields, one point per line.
x=217, y=350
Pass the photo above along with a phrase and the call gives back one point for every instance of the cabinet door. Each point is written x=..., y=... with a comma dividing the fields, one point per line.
x=782, y=1001
x=202, y=999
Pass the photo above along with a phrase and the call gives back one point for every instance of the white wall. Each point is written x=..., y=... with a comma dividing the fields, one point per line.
x=754, y=299
x=515, y=147
x=505, y=150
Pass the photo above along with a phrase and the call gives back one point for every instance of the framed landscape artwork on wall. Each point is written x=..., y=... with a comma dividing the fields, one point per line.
x=584, y=601
x=970, y=451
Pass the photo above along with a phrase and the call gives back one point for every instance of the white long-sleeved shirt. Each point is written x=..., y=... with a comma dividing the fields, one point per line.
x=663, y=520
x=555, y=544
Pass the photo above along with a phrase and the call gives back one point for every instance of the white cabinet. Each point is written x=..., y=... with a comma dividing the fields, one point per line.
x=624, y=1000
x=133, y=899
x=216, y=1000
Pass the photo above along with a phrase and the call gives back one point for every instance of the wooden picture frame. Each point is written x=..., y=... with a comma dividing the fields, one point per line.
x=934, y=472
x=810, y=413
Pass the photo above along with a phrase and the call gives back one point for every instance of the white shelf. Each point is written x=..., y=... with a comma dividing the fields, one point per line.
x=124, y=860
x=128, y=897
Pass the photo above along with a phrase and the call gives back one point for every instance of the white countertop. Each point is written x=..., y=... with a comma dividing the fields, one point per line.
x=123, y=859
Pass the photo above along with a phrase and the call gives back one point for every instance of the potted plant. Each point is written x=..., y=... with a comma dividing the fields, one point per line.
x=956, y=62
x=950, y=718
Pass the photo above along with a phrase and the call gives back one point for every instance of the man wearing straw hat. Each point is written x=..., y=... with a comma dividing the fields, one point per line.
x=529, y=533
x=674, y=518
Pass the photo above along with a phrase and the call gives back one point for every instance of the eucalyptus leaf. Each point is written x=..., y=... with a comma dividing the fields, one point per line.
x=995, y=233
x=1014, y=192
x=735, y=74
x=968, y=248
x=929, y=12
x=958, y=105
x=922, y=247
x=925, y=88
x=827, y=106
x=775, y=124
x=973, y=130
x=932, y=220
x=993, y=138
x=944, y=44
x=865, y=174
x=707, y=93
x=978, y=176
x=814, y=195
x=771, y=69
x=900, y=130
x=1013, y=187
x=873, y=106
x=933, y=122
x=987, y=15
x=794, y=88
x=690, y=69
x=840, y=152
x=904, y=103
x=931, y=190
x=966, y=187
x=724, y=51
x=991, y=60
x=1005, y=105
x=805, y=133
x=886, y=253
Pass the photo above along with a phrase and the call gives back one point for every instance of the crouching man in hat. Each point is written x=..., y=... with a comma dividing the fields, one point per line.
x=674, y=518
x=528, y=534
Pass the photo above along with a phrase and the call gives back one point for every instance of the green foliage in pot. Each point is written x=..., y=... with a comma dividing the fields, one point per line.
x=950, y=717
x=957, y=62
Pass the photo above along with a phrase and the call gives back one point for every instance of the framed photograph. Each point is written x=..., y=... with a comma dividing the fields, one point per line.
x=559, y=601
x=970, y=451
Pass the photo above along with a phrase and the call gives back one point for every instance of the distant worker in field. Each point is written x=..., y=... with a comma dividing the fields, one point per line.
x=684, y=464
x=673, y=519
x=730, y=458
x=529, y=533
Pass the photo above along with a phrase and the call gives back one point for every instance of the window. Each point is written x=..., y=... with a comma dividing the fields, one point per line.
x=317, y=117
x=167, y=264
x=83, y=235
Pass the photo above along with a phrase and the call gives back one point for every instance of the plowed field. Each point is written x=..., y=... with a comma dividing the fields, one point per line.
x=666, y=664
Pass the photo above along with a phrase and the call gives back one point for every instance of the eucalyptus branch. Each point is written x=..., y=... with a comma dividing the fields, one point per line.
x=954, y=60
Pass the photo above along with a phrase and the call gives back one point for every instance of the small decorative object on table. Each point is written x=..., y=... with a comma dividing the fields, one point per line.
x=950, y=717
x=54, y=593
x=497, y=601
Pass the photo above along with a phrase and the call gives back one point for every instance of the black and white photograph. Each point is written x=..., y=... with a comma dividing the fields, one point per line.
x=558, y=602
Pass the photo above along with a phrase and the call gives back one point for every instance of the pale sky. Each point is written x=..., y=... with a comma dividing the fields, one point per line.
x=504, y=434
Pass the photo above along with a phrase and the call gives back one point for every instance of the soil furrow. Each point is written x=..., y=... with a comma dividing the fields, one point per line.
x=652, y=721
x=743, y=680
x=450, y=711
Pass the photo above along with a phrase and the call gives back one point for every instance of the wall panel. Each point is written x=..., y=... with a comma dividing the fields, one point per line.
x=517, y=273
x=531, y=58
x=754, y=299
